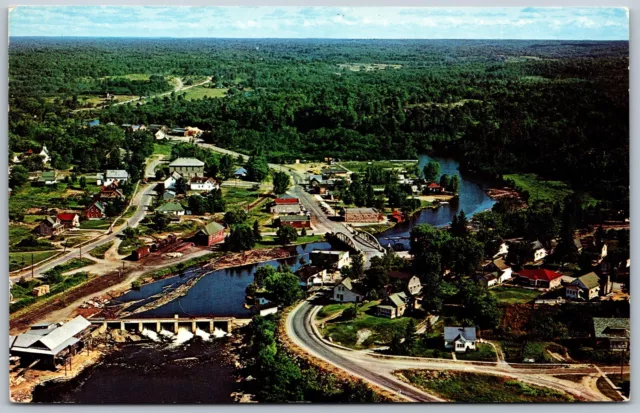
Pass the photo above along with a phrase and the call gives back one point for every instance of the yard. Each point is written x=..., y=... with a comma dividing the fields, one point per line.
x=514, y=295
x=163, y=148
x=95, y=224
x=540, y=189
x=19, y=260
x=469, y=387
x=365, y=331
x=484, y=352
x=238, y=197
x=334, y=308
x=538, y=351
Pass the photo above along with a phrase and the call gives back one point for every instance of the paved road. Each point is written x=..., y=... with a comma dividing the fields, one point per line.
x=299, y=329
x=379, y=370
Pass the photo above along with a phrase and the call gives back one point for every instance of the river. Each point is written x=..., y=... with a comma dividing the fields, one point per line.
x=472, y=198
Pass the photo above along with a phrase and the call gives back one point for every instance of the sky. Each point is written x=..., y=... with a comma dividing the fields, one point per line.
x=568, y=23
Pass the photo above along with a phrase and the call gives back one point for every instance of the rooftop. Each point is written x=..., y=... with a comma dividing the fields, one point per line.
x=170, y=207
x=611, y=327
x=453, y=333
x=540, y=274
x=590, y=280
x=294, y=218
x=187, y=162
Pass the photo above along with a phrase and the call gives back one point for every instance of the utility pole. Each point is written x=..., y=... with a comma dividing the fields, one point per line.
x=32, y=266
x=80, y=251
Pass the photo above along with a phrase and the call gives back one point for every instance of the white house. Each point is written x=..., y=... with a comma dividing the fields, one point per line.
x=330, y=259
x=170, y=182
x=201, y=183
x=347, y=292
x=586, y=287
x=310, y=276
x=503, y=270
x=45, y=154
x=539, y=251
x=460, y=339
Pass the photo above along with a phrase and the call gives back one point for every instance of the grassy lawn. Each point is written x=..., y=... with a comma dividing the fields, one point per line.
x=514, y=295
x=100, y=250
x=33, y=219
x=260, y=214
x=484, y=352
x=95, y=224
x=239, y=197
x=542, y=190
x=17, y=232
x=19, y=260
x=365, y=331
x=200, y=92
x=162, y=149
x=481, y=388
x=331, y=309
x=28, y=196
x=73, y=241
x=359, y=166
x=22, y=291
x=71, y=265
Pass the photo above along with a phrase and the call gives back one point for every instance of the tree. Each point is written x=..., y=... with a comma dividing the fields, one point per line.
x=287, y=234
x=459, y=225
x=357, y=264
x=445, y=181
x=283, y=286
x=197, y=204
x=303, y=232
x=181, y=186
x=479, y=305
x=281, y=181
x=235, y=216
x=33, y=162
x=159, y=174
x=257, y=168
x=82, y=182
x=226, y=167
x=454, y=184
x=262, y=274
x=19, y=176
x=161, y=221
x=431, y=171
x=240, y=238
x=350, y=312
x=256, y=231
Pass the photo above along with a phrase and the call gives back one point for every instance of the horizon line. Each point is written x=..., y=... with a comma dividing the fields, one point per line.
x=315, y=38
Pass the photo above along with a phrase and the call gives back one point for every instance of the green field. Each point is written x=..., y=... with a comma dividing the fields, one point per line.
x=95, y=224
x=534, y=350
x=18, y=232
x=514, y=295
x=100, y=250
x=378, y=329
x=162, y=148
x=19, y=260
x=484, y=352
x=331, y=309
x=480, y=388
x=359, y=166
x=540, y=189
x=199, y=92
x=239, y=197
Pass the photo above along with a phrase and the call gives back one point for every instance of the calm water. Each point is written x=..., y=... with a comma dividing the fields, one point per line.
x=195, y=372
x=472, y=199
x=219, y=293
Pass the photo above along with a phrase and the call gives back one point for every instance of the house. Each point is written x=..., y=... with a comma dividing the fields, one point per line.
x=361, y=215
x=94, y=211
x=409, y=282
x=434, y=188
x=187, y=167
x=310, y=276
x=296, y=221
x=212, y=233
x=499, y=266
x=201, y=183
x=50, y=226
x=393, y=306
x=109, y=194
x=487, y=279
x=397, y=216
x=460, y=339
x=141, y=252
x=586, y=287
x=168, y=195
x=240, y=173
x=330, y=259
x=611, y=333
x=286, y=204
x=539, y=251
x=160, y=134
x=540, y=278
x=170, y=182
x=44, y=153
x=154, y=127
x=133, y=128
x=115, y=175
x=50, y=343
x=69, y=220
x=171, y=208
x=48, y=178
x=348, y=291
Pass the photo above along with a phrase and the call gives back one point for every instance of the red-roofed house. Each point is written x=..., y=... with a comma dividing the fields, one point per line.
x=434, y=188
x=540, y=278
x=69, y=220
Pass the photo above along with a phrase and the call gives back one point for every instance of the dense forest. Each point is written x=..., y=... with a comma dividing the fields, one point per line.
x=555, y=108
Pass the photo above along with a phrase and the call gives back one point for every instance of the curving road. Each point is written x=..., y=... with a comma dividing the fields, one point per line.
x=379, y=370
x=300, y=330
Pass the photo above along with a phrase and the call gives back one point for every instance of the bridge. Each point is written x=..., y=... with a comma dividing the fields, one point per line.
x=359, y=241
x=208, y=324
